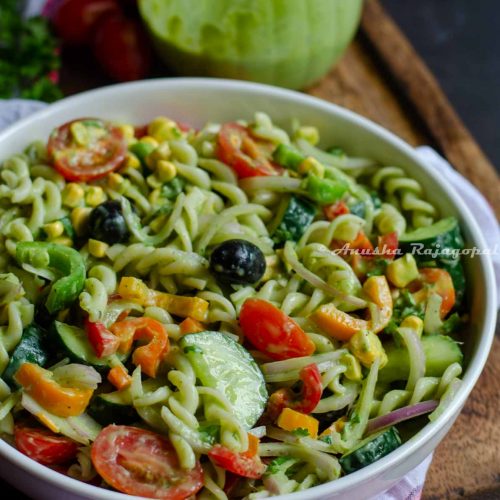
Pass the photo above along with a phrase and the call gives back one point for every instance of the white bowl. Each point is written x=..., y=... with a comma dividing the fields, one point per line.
x=196, y=101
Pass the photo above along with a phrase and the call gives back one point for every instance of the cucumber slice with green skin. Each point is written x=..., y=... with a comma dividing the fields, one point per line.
x=31, y=349
x=222, y=364
x=297, y=217
x=442, y=235
x=370, y=450
x=112, y=408
x=73, y=342
x=440, y=352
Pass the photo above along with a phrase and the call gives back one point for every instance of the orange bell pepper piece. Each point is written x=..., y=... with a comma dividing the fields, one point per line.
x=55, y=398
x=291, y=420
x=190, y=325
x=136, y=290
x=148, y=356
x=253, y=446
x=119, y=377
x=343, y=326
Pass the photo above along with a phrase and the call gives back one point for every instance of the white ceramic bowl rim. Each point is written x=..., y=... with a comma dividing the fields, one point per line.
x=473, y=369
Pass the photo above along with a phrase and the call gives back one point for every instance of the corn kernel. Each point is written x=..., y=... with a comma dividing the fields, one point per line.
x=162, y=152
x=149, y=140
x=310, y=134
x=63, y=240
x=165, y=170
x=54, y=229
x=79, y=219
x=311, y=165
x=72, y=194
x=97, y=248
x=128, y=131
x=366, y=346
x=164, y=129
x=115, y=181
x=401, y=272
x=80, y=133
x=415, y=323
x=131, y=161
x=95, y=196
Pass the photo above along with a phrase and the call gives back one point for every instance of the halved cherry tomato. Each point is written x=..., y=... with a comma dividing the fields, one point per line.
x=237, y=463
x=101, y=150
x=75, y=20
x=435, y=280
x=273, y=332
x=44, y=446
x=305, y=402
x=244, y=154
x=335, y=209
x=388, y=245
x=102, y=340
x=143, y=463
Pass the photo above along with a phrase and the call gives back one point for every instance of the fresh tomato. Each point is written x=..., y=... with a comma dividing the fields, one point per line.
x=335, y=209
x=388, y=245
x=86, y=149
x=75, y=20
x=102, y=340
x=305, y=402
x=122, y=48
x=273, y=332
x=44, y=446
x=237, y=463
x=435, y=280
x=143, y=463
x=248, y=157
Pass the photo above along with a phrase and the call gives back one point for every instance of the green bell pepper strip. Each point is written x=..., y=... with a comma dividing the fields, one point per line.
x=65, y=260
x=324, y=191
x=288, y=157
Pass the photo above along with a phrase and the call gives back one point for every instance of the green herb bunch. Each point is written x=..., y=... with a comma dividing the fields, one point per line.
x=28, y=56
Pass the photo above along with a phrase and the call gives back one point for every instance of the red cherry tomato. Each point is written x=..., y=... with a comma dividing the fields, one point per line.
x=311, y=392
x=335, y=209
x=143, y=463
x=75, y=20
x=245, y=155
x=435, y=280
x=237, y=463
x=104, y=151
x=102, y=340
x=122, y=48
x=44, y=446
x=388, y=245
x=272, y=331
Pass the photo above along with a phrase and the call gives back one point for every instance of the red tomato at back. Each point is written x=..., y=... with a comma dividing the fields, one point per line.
x=74, y=20
x=122, y=48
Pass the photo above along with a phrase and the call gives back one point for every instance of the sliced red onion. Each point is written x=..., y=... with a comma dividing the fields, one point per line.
x=400, y=415
x=78, y=376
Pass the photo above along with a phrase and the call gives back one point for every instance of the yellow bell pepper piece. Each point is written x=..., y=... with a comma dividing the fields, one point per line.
x=56, y=399
x=137, y=291
x=343, y=326
x=291, y=420
x=366, y=346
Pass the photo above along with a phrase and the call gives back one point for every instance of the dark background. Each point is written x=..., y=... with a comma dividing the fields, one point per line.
x=458, y=39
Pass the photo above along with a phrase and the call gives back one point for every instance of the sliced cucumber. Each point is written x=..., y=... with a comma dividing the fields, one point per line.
x=370, y=450
x=113, y=408
x=443, y=234
x=73, y=342
x=222, y=364
x=31, y=349
x=440, y=352
x=296, y=217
